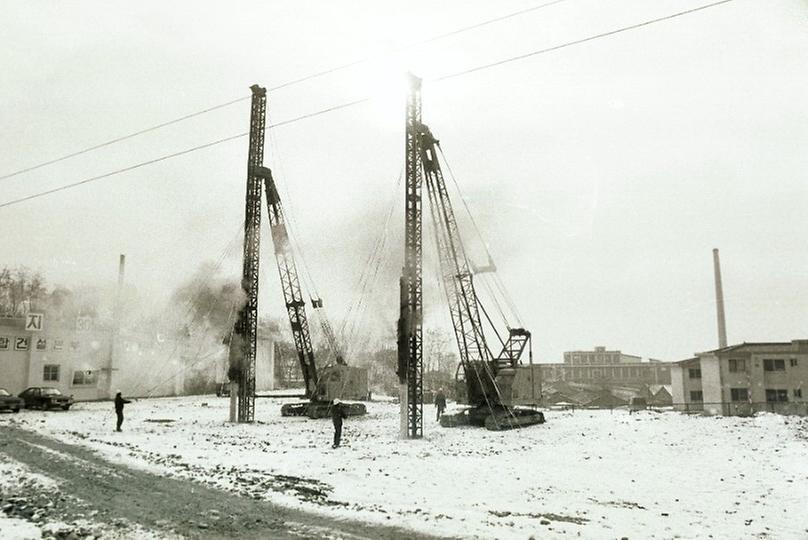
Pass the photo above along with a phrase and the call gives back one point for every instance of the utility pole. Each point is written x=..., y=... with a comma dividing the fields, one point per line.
x=243, y=341
x=116, y=330
x=410, y=330
x=719, y=301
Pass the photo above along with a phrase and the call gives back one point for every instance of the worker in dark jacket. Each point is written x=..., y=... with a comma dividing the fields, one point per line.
x=337, y=414
x=119, y=403
x=440, y=403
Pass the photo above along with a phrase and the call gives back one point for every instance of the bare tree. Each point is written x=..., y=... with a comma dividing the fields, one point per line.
x=21, y=290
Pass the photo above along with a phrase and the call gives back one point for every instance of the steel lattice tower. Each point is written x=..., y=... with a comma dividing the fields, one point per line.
x=413, y=258
x=247, y=324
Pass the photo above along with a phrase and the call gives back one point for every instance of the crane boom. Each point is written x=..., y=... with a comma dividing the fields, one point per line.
x=290, y=283
x=457, y=276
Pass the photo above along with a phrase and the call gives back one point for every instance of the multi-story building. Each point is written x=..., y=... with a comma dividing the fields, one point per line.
x=599, y=357
x=743, y=379
x=606, y=368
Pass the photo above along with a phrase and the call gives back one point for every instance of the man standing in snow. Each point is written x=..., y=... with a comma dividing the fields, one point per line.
x=337, y=414
x=119, y=403
x=440, y=403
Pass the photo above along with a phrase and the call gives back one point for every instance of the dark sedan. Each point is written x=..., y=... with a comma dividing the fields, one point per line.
x=46, y=398
x=9, y=402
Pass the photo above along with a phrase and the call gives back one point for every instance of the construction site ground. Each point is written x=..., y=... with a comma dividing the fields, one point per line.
x=67, y=491
x=180, y=468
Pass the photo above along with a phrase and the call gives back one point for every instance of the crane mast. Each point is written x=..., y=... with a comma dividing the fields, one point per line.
x=243, y=342
x=410, y=330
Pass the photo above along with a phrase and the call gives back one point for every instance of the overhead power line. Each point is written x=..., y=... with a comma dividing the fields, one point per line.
x=180, y=153
x=280, y=86
x=119, y=171
x=352, y=103
x=123, y=138
x=579, y=41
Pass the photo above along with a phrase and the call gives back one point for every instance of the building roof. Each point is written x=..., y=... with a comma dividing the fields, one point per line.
x=752, y=344
x=686, y=360
x=795, y=344
x=656, y=388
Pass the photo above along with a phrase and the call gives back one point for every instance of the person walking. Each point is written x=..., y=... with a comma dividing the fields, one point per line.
x=119, y=403
x=337, y=414
x=440, y=403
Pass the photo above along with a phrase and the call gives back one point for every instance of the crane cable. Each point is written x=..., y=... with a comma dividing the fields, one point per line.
x=370, y=272
x=503, y=291
x=288, y=212
x=487, y=356
x=308, y=281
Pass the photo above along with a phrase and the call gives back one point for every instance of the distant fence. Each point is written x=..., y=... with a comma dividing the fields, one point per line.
x=744, y=408
x=733, y=408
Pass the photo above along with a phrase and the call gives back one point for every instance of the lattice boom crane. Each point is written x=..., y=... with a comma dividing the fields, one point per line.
x=337, y=381
x=488, y=379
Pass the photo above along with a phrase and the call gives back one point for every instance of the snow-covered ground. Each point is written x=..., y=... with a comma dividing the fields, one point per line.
x=594, y=474
x=24, y=514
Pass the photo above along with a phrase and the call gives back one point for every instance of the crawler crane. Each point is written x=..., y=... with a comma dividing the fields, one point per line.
x=490, y=381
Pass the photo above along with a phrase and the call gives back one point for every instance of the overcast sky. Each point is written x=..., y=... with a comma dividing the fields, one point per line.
x=601, y=175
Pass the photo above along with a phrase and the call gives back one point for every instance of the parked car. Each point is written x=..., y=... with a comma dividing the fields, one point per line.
x=45, y=397
x=223, y=389
x=9, y=402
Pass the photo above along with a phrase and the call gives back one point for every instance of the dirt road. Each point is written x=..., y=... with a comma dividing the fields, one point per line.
x=114, y=494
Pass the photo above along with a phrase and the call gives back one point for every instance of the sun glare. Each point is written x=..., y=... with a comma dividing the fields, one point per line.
x=385, y=82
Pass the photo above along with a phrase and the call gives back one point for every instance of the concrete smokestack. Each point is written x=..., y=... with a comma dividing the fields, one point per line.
x=121, y=269
x=719, y=301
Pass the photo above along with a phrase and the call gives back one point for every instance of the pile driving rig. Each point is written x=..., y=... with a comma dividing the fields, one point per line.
x=490, y=384
x=337, y=380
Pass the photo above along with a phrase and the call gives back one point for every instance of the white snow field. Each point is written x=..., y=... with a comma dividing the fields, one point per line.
x=589, y=474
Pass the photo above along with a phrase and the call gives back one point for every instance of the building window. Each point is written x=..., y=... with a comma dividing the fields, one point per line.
x=695, y=373
x=739, y=394
x=798, y=392
x=793, y=362
x=50, y=373
x=775, y=395
x=84, y=378
x=736, y=365
x=774, y=365
x=696, y=395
